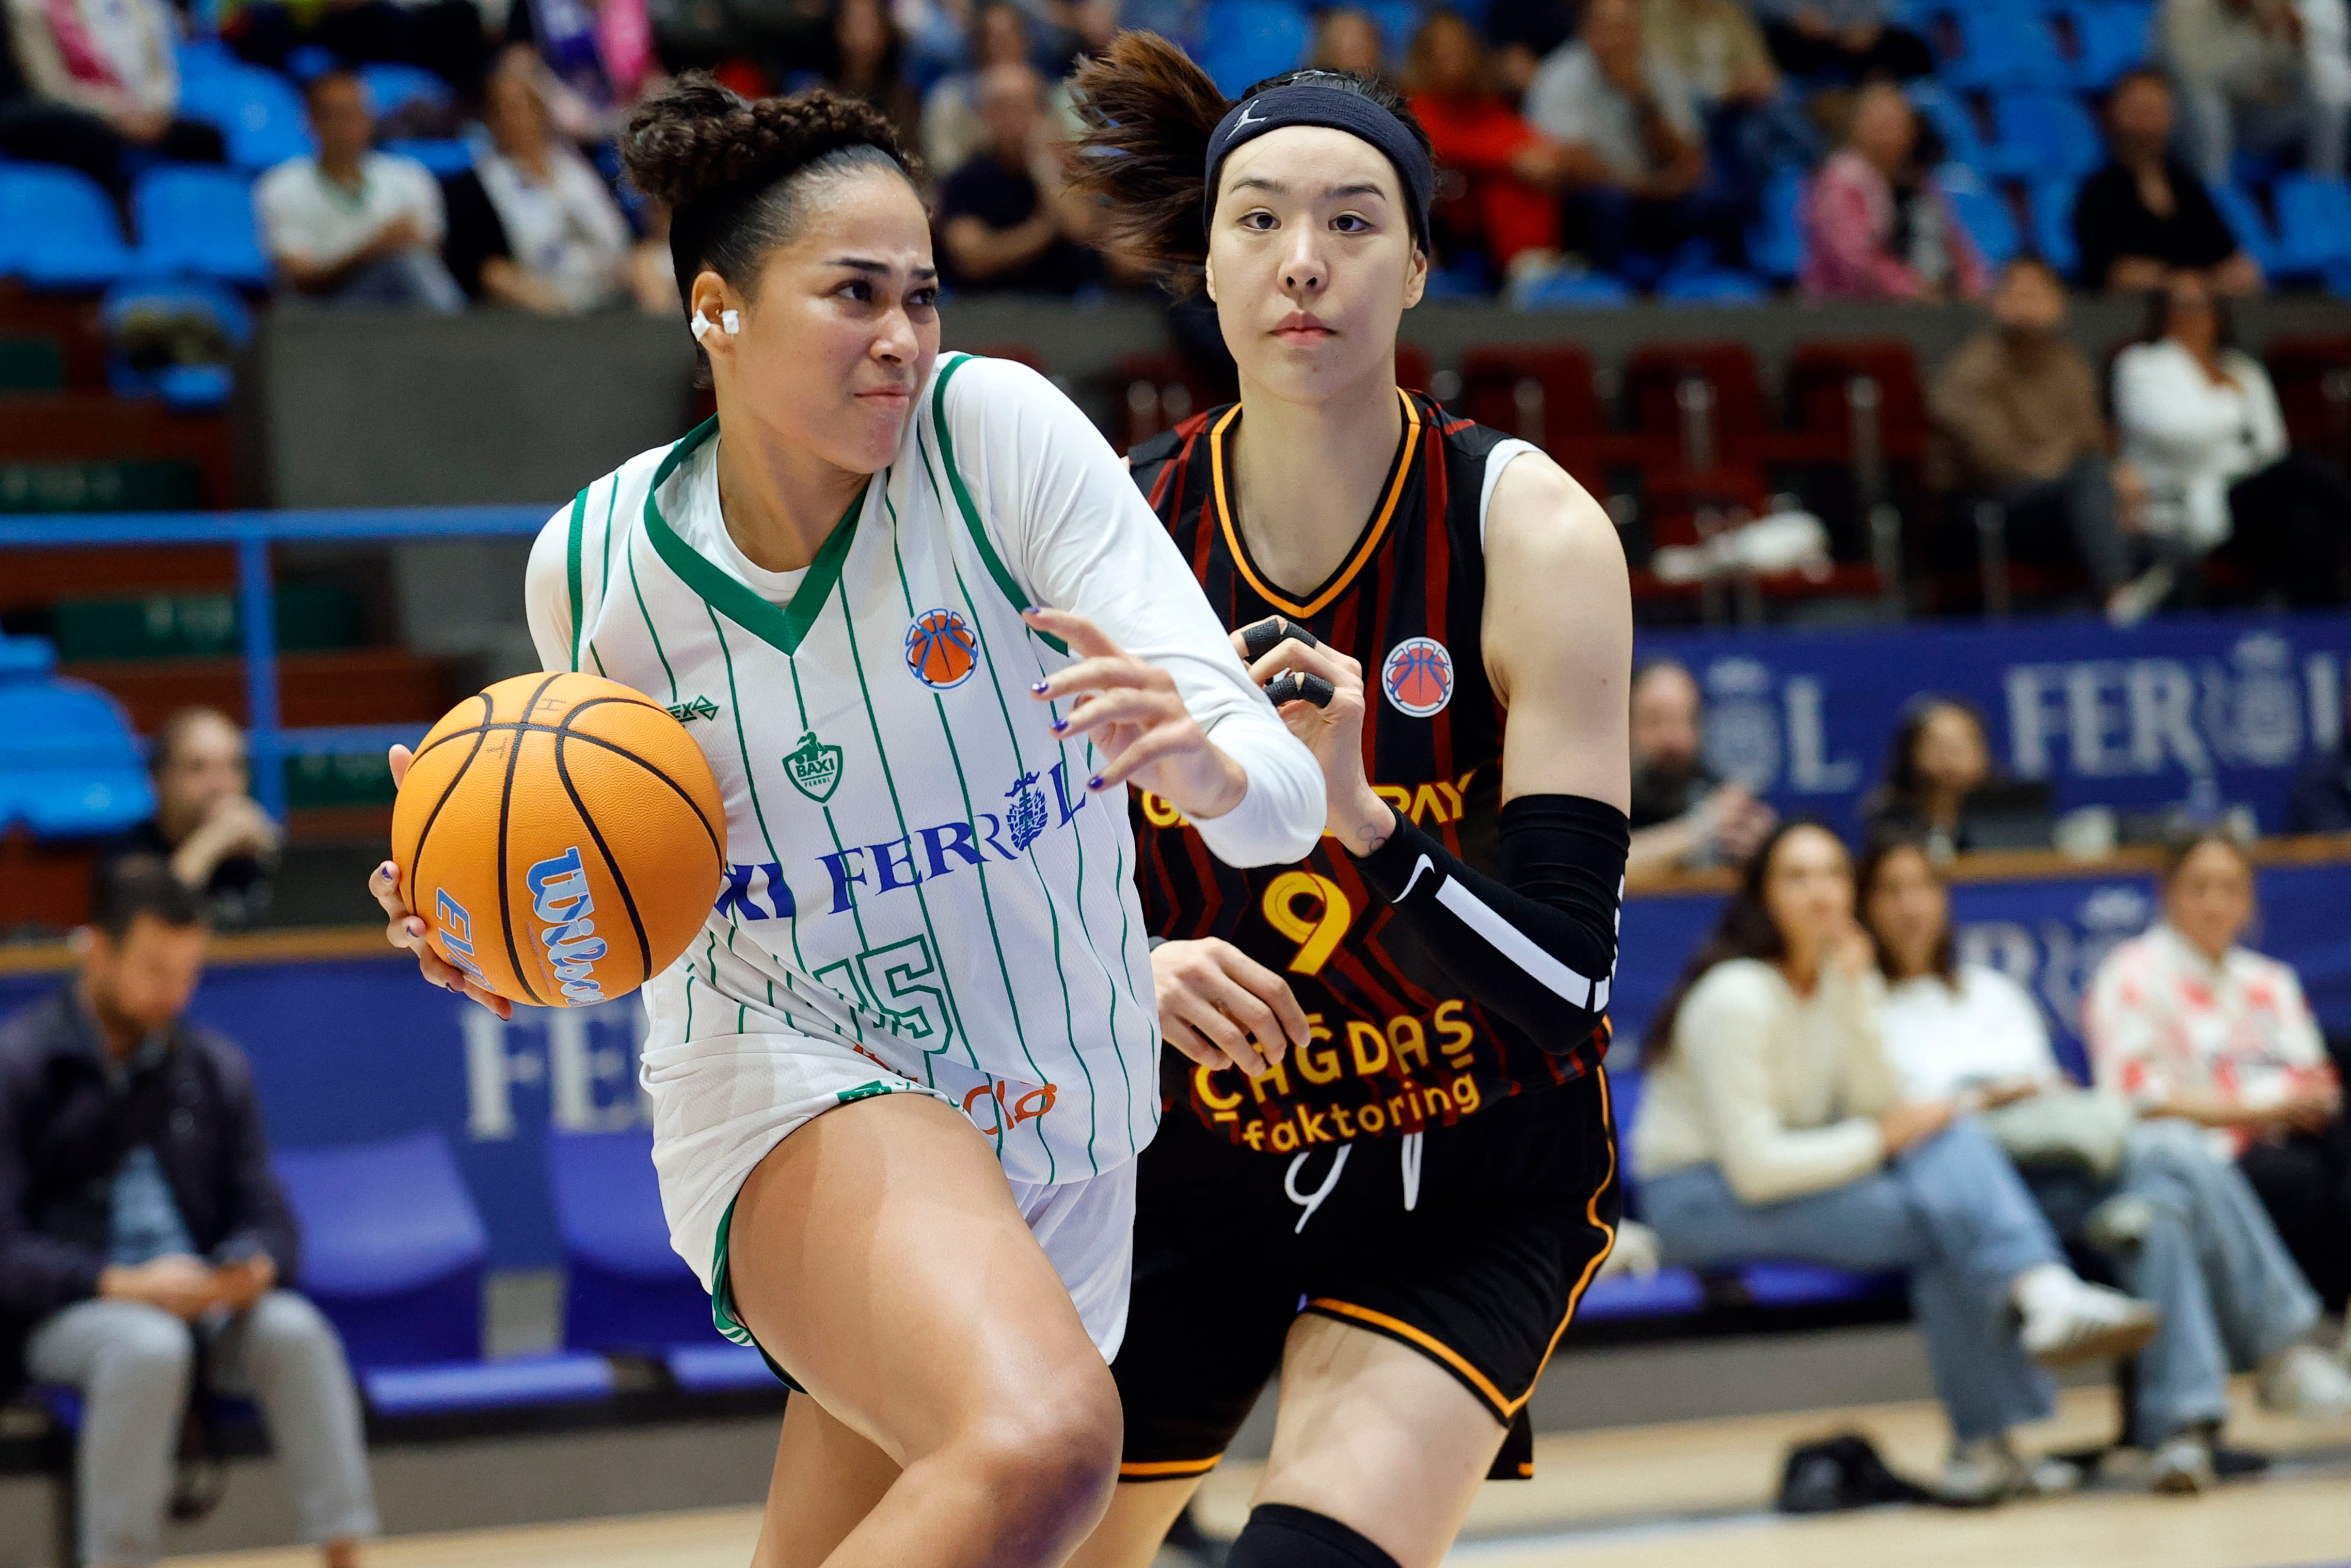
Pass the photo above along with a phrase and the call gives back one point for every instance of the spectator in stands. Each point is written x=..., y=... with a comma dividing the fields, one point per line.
x=1939, y=759
x=207, y=826
x=1525, y=33
x=91, y=81
x=139, y=1216
x=2201, y=423
x=1773, y=1125
x=1634, y=152
x=2182, y=1226
x=2322, y=794
x=1685, y=815
x=1511, y=172
x=1851, y=40
x=869, y=62
x=953, y=127
x=1876, y=224
x=350, y=226
x=1752, y=125
x=531, y=226
x=1347, y=39
x=2185, y=1021
x=2245, y=78
x=2017, y=411
x=599, y=52
x=1007, y=220
x=2147, y=215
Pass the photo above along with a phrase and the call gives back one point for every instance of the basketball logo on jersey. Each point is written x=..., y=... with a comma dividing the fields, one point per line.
x=1418, y=676
x=941, y=650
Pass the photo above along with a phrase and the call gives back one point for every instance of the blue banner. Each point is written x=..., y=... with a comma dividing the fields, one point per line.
x=2208, y=710
x=349, y=1050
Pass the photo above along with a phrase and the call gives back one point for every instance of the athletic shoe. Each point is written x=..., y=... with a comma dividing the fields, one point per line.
x=2181, y=1465
x=2067, y=1319
x=2303, y=1380
x=1989, y=1471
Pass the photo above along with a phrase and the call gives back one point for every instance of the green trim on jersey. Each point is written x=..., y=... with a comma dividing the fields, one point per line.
x=722, y=1302
x=579, y=607
x=988, y=557
x=783, y=627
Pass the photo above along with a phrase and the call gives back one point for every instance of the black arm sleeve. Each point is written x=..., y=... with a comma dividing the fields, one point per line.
x=1538, y=947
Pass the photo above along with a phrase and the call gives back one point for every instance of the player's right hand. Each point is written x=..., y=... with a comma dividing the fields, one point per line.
x=404, y=929
x=1223, y=1009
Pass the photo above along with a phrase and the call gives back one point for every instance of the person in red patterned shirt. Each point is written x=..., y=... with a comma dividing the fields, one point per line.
x=2186, y=1022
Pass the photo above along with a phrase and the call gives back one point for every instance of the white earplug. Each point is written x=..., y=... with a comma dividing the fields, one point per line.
x=729, y=321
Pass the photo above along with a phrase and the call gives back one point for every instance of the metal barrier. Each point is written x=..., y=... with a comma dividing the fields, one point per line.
x=251, y=534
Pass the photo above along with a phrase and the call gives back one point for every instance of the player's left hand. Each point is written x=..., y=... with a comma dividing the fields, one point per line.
x=1332, y=729
x=1138, y=724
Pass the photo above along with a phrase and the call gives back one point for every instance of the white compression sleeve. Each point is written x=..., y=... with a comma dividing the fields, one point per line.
x=1076, y=533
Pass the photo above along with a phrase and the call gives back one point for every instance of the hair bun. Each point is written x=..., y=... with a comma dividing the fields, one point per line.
x=695, y=139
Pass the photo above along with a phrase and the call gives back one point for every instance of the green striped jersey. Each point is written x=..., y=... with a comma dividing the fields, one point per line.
x=916, y=867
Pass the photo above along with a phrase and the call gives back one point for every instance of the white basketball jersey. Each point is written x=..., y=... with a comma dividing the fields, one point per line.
x=916, y=867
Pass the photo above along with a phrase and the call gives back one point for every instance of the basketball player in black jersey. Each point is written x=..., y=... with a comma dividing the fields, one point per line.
x=1388, y=1167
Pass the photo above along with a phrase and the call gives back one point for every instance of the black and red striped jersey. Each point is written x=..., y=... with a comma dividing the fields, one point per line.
x=1396, y=1046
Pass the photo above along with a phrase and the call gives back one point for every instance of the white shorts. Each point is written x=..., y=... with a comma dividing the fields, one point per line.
x=721, y=1102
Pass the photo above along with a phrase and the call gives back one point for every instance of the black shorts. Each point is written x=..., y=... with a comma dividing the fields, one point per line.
x=1516, y=1209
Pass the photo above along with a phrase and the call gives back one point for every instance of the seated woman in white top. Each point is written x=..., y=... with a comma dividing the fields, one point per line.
x=2200, y=421
x=2183, y=1228
x=531, y=226
x=1773, y=1126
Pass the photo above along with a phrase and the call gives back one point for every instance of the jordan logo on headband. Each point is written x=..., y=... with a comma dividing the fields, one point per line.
x=1245, y=119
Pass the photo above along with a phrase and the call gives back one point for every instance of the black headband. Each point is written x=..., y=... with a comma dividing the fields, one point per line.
x=1310, y=103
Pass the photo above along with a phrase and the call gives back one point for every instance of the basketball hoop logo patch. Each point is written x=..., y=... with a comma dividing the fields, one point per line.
x=1418, y=676
x=941, y=651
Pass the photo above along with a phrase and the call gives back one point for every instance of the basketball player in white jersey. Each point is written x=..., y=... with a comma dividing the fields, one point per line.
x=899, y=1082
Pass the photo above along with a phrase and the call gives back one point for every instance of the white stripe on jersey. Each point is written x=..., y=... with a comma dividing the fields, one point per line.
x=916, y=868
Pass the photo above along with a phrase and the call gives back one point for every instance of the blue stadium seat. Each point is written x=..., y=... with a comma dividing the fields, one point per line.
x=183, y=386
x=717, y=1368
x=1790, y=1284
x=2003, y=44
x=2053, y=223
x=2313, y=224
x=392, y=1252
x=2245, y=220
x=443, y=156
x=1985, y=215
x=2046, y=134
x=1775, y=246
x=1399, y=21
x=1712, y=285
x=625, y=1288
x=260, y=113
x=58, y=229
x=1962, y=143
x=1575, y=291
x=2114, y=35
x=70, y=766
x=392, y=87
x=1668, y=1293
x=195, y=219
x=1249, y=40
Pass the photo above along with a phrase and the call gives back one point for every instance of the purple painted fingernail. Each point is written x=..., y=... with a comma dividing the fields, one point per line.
x=1095, y=782
x=1059, y=724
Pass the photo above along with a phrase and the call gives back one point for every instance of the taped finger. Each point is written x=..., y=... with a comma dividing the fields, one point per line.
x=1291, y=686
x=1260, y=637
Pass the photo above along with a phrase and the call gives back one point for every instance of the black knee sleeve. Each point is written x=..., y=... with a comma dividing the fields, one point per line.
x=1280, y=1536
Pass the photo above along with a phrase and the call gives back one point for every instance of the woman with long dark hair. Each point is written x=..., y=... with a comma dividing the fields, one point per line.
x=1937, y=758
x=1386, y=1106
x=1774, y=1126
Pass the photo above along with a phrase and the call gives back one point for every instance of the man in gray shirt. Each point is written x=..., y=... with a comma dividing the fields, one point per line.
x=1635, y=152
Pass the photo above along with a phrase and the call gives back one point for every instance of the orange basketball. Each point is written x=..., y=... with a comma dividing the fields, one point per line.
x=561, y=836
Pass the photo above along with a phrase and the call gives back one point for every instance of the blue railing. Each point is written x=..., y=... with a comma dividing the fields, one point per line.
x=251, y=534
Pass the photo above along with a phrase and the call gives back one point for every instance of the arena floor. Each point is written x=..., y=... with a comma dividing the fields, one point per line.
x=1644, y=1497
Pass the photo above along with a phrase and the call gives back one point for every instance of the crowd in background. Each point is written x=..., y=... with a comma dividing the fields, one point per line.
x=1634, y=137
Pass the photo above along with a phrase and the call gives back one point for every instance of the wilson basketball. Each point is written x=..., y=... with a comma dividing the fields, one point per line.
x=562, y=837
